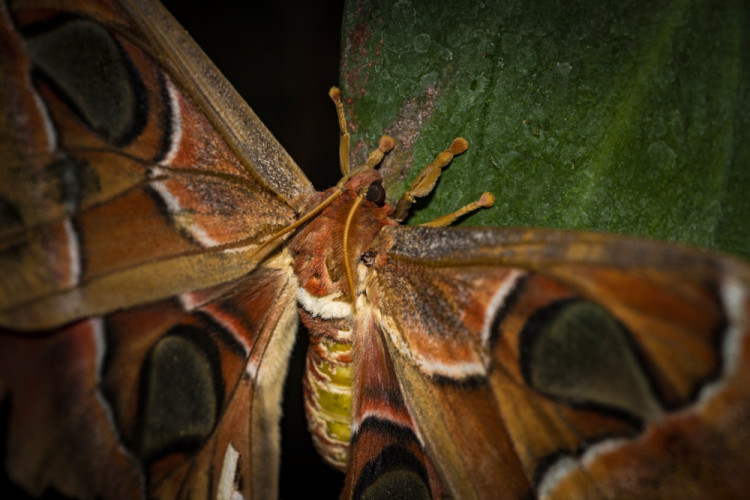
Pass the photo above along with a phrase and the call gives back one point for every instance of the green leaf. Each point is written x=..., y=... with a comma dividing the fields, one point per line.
x=628, y=117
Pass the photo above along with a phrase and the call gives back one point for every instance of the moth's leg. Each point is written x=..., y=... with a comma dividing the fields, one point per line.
x=484, y=201
x=425, y=181
x=385, y=145
x=335, y=95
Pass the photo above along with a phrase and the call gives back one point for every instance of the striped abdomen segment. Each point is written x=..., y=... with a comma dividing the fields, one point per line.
x=328, y=380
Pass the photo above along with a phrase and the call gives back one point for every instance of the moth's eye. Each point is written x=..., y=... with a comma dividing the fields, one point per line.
x=368, y=258
x=376, y=193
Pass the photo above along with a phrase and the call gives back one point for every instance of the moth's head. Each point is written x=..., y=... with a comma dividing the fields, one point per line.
x=347, y=218
x=370, y=183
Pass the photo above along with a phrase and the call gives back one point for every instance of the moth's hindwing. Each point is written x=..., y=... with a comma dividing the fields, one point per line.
x=175, y=398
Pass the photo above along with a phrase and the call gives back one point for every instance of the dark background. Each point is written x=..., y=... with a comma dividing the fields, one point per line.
x=282, y=57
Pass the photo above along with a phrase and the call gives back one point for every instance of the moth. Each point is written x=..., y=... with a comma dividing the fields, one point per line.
x=157, y=247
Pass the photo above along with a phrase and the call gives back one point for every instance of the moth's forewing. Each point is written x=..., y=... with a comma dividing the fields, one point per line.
x=574, y=363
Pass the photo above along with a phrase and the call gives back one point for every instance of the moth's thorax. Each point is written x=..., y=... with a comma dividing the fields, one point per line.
x=318, y=248
x=319, y=254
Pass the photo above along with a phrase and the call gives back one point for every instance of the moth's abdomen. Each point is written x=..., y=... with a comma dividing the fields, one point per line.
x=328, y=385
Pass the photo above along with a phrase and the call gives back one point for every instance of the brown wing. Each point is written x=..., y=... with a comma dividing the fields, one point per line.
x=386, y=453
x=568, y=365
x=122, y=178
x=142, y=349
x=175, y=399
x=260, y=153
